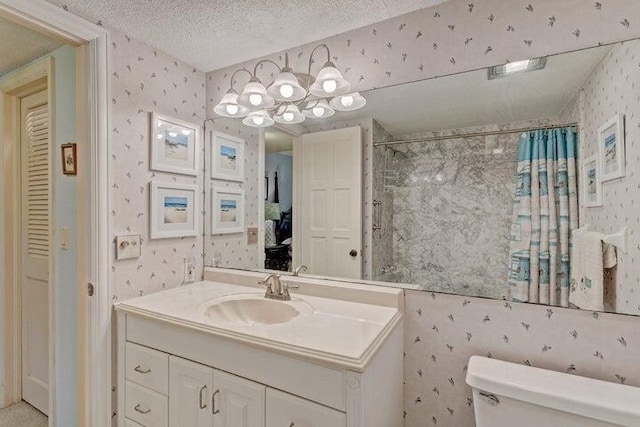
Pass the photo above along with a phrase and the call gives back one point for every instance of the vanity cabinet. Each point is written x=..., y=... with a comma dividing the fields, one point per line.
x=201, y=396
x=174, y=373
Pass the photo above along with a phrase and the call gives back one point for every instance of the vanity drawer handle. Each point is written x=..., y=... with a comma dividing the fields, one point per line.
x=202, y=405
x=213, y=403
x=142, y=411
x=142, y=371
x=491, y=399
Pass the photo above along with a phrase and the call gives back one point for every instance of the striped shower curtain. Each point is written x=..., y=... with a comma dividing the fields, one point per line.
x=545, y=212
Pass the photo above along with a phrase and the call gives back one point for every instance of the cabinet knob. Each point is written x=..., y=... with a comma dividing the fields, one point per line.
x=353, y=253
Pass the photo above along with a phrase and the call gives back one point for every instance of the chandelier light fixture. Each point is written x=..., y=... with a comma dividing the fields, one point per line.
x=292, y=97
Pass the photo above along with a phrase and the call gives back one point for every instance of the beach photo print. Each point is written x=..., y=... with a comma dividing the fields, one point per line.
x=227, y=211
x=174, y=145
x=612, y=149
x=173, y=210
x=227, y=157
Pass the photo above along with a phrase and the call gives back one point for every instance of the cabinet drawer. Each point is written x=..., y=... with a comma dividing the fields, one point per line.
x=145, y=406
x=147, y=367
x=286, y=410
x=129, y=423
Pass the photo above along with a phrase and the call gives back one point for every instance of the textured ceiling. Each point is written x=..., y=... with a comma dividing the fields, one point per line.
x=214, y=34
x=19, y=45
x=470, y=99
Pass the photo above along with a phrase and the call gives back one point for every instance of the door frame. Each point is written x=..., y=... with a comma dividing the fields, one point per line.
x=94, y=313
x=31, y=79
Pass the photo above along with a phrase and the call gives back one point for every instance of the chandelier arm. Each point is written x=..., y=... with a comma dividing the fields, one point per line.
x=255, y=69
x=236, y=72
x=314, y=51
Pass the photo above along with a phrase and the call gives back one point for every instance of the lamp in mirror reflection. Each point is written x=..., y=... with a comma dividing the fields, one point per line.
x=319, y=109
x=281, y=101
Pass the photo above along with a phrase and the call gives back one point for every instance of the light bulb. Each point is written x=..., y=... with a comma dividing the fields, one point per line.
x=255, y=99
x=185, y=132
x=318, y=111
x=173, y=134
x=286, y=91
x=346, y=101
x=232, y=109
x=258, y=121
x=160, y=136
x=288, y=116
x=329, y=86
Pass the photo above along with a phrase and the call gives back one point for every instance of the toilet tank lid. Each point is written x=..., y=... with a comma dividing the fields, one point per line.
x=601, y=400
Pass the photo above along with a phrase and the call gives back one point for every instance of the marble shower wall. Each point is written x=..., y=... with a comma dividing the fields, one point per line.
x=452, y=202
x=611, y=90
x=144, y=79
x=443, y=331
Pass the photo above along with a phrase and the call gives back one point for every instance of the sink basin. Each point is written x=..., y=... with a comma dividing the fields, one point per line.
x=249, y=309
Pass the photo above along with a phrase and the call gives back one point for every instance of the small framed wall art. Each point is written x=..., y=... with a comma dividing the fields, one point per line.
x=227, y=157
x=592, y=188
x=227, y=211
x=69, y=159
x=174, y=210
x=612, y=149
x=174, y=145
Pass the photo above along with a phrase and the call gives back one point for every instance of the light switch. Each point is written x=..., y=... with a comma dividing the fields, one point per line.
x=128, y=247
x=64, y=238
x=252, y=236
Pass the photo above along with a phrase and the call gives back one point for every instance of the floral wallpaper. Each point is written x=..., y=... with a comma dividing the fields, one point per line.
x=611, y=90
x=144, y=80
x=443, y=331
x=455, y=36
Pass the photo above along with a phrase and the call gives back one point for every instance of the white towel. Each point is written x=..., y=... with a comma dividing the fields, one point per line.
x=590, y=256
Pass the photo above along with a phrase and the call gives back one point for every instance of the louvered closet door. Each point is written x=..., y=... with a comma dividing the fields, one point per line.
x=36, y=237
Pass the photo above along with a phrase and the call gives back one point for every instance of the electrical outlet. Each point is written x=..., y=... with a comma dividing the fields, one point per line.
x=189, y=270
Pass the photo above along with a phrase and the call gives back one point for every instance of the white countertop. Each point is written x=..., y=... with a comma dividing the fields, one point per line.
x=329, y=329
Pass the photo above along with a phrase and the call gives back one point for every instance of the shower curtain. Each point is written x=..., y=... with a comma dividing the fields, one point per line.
x=545, y=212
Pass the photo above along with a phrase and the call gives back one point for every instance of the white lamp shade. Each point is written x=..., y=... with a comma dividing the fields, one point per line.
x=255, y=97
x=286, y=88
x=258, y=119
x=229, y=107
x=290, y=115
x=318, y=109
x=348, y=102
x=329, y=83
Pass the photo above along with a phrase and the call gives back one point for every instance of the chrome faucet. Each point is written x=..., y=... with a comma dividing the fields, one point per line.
x=300, y=268
x=276, y=289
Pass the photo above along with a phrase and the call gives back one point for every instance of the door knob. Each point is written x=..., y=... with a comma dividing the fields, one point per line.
x=353, y=253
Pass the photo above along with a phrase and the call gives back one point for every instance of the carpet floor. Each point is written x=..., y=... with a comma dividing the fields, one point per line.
x=22, y=415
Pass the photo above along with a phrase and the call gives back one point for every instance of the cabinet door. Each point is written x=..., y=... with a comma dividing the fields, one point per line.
x=237, y=402
x=190, y=388
x=285, y=410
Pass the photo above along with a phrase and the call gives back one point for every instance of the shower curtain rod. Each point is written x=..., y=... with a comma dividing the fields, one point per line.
x=473, y=134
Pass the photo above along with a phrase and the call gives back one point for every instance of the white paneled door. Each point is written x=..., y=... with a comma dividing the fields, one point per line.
x=329, y=203
x=36, y=236
x=237, y=402
x=190, y=389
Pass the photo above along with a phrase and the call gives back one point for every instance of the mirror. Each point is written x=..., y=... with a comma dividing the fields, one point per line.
x=428, y=202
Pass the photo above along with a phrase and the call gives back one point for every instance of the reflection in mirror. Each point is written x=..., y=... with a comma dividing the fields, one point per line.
x=456, y=192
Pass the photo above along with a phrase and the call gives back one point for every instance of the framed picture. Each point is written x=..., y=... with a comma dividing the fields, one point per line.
x=174, y=210
x=227, y=157
x=174, y=145
x=69, y=165
x=227, y=211
x=592, y=188
x=611, y=149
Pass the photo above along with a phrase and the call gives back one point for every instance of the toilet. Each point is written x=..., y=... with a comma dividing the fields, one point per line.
x=508, y=394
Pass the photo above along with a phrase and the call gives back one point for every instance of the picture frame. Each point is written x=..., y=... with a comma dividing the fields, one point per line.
x=174, y=210
x=227, y=211
x=175, y=145
x=69, y=159
x=591, y=184
x=227, y=157
x=611, y=148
